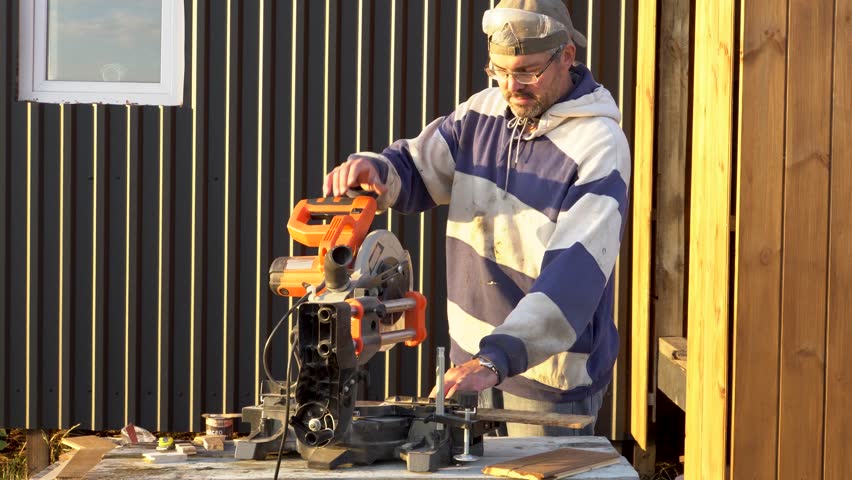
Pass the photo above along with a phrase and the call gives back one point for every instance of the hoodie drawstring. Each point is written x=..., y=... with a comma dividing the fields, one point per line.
x=514, y=124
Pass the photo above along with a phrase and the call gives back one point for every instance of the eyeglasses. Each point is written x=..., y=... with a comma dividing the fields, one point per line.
x=527, y=78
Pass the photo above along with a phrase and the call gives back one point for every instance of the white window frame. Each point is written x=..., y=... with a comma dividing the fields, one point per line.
x=34, y=86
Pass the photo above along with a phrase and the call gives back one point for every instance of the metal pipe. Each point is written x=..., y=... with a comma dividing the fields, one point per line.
x=439, y=402
x=400, y=305
x=397, y=336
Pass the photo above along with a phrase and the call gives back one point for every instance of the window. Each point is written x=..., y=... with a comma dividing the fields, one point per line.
x=101, y=51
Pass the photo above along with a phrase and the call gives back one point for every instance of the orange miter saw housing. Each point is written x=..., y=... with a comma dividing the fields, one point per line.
x=337, y=227
x=350, y=220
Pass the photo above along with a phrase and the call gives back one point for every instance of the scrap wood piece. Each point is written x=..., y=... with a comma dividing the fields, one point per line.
x=533, y=418
x=88, y=452
x=164, y=457
x=213, y=442
x=88, y=441
x=560, y=463
x=186, y=448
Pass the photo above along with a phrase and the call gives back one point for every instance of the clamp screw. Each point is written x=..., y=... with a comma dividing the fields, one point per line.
x=466, y=456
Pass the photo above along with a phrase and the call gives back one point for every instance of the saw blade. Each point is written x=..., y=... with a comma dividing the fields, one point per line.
x=383, y=267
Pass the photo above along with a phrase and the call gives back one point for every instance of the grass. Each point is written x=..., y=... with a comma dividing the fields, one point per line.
x=13, y=451
x=663, y=471
x=13, y=459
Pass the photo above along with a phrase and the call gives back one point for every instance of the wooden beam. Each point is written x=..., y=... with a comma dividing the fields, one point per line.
x=671, y=369
x=533, y=418
x=838, y=417
x=804, y=263
x=672, y=155
x=712, y=134
x=38, y=452
x=643, y=175
x=760, y=203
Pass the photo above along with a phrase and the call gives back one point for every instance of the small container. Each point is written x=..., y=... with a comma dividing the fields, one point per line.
x=220, y=424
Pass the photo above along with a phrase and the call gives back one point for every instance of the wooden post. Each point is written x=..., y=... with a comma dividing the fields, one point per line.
x=38, y=451
x=643, y=187
x=709, y=246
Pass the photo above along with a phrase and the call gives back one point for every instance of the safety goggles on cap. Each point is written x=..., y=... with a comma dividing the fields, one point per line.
x=523, y=23
x=516, y=31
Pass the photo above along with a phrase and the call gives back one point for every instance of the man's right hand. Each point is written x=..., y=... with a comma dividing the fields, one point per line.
x=354, y=172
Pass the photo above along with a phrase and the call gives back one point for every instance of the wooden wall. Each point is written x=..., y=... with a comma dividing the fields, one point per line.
x=769, y=270
x=792, y=385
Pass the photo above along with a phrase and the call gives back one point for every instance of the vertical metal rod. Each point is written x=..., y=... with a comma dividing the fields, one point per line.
x=467, y=433
x=439, y=401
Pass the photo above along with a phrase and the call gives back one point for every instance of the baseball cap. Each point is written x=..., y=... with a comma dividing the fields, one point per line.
x=523, y=27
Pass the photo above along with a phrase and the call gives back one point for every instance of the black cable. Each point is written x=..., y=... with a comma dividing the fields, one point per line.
x=286, y=414
x=287, y=379
x=275, y=330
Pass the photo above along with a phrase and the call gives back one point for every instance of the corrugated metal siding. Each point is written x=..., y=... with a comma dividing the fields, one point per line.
x=135, y=240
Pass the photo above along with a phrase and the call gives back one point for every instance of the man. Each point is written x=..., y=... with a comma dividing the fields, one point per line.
x=536, y=175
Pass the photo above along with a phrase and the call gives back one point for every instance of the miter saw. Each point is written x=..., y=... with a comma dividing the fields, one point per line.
x=355, y=299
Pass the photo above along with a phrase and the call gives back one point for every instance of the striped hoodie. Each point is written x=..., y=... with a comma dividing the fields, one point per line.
x=535, y=222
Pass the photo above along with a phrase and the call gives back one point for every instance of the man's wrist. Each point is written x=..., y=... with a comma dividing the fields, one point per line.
x=487, y=363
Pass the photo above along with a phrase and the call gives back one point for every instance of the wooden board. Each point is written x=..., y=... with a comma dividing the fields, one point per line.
x=533, y=418
x=838, y=417
x=560, y=463
x=643, y=189
x=89, y=451
x=757, y=282
x=712, y=136
x=89, y=441
x=804, y=264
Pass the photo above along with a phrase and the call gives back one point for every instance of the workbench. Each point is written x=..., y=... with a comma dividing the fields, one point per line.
x=126, y=463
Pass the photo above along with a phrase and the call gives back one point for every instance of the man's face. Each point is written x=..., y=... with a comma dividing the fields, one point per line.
x=532, y=100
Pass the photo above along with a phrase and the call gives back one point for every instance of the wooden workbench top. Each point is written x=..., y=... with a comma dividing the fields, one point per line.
x=126, y=463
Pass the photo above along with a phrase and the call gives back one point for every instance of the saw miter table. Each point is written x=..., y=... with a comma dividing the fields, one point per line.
x=354, y=299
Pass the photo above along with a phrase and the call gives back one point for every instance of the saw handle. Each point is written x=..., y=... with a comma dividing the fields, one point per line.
x=350, y=222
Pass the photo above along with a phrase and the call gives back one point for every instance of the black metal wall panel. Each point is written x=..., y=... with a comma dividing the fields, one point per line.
x=135, y=240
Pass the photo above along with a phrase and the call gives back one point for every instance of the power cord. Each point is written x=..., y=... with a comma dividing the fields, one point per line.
x=289, y=382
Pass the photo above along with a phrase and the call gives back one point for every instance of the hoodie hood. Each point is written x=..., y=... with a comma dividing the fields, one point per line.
x=586, y=99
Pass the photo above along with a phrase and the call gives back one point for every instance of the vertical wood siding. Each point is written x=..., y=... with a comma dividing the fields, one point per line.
x=135, y=240
x=643, y=188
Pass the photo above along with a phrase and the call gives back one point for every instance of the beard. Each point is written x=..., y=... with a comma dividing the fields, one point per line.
x=538, y=105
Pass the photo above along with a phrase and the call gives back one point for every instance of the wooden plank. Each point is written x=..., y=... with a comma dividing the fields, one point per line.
x=804, y=266
x=671, y=369
x=672, y=155
x=81, y=463
x=757, y=277
x=838, y=417
x=670, y=191
x=533, y=418
x=642, y=194
x=88, y=441
x=89, y=451
x=553, y=464
x=712, y=134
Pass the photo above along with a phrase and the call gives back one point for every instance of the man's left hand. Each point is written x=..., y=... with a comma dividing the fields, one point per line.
x=469, y=376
